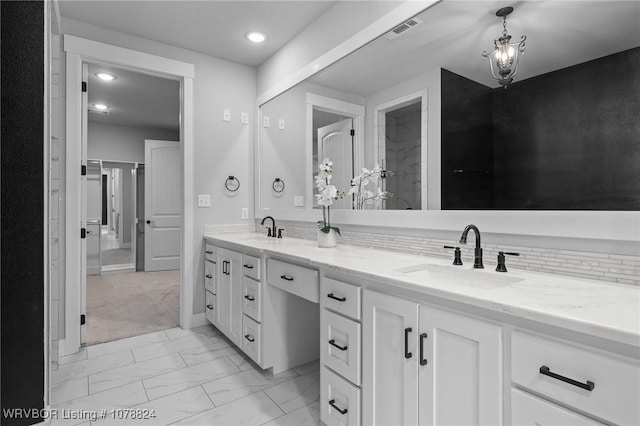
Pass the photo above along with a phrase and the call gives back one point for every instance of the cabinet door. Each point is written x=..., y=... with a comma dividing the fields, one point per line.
x=223, y=301
x=461, y=380
x=390, y=367
x=235, y=302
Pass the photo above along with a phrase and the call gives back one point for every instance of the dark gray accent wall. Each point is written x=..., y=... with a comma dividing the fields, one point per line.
x=22, y=209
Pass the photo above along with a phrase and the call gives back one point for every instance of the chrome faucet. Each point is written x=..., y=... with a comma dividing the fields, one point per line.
x=271, y=231
x=477, y=258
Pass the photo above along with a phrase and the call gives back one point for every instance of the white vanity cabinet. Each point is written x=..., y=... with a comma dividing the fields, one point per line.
x=424, y=365
x=229, y=296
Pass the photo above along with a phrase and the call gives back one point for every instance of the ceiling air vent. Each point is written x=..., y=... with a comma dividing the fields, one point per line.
x=402, y=28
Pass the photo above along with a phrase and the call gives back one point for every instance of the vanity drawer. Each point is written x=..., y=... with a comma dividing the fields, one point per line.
x=339, y=400
x=528, y=410
x=210, y=277
x=252, y=339
x=616, y=382
x=295, y=279
x=251, y=299
x=251, y=266
x=210, y=252
x=210, y=307
x=341, y=297
x=340, y=345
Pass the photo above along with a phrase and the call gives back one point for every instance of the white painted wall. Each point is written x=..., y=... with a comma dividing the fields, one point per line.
x=344, y=19
x=123, y=143
x=220, y=148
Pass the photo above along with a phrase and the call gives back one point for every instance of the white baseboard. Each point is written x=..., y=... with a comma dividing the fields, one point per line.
x=198, y=320
x=126, y=245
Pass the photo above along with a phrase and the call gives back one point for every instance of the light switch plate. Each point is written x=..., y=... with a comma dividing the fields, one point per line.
x=244, y=118
x=281, y=124
x=298, y=200
x=226, y=115
x=244, y=213
x=204, y=200
x=265, y=121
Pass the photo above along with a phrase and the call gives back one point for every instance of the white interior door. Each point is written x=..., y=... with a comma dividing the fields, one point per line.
x=162, y=205
x=83, y=207
x=335, y=142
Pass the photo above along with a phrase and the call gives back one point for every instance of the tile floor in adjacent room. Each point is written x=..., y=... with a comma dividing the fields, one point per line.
x=189, y=377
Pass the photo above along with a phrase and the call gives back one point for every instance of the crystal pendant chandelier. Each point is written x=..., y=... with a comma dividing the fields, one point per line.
x=503, y=60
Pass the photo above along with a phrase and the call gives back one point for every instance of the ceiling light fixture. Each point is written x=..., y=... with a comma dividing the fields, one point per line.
x=105, y=76
x=256, y=36
x=506, y=54
x=101, y=107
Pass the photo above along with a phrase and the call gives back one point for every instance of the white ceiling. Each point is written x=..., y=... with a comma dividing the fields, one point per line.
x=560, y=33
x=216, y=28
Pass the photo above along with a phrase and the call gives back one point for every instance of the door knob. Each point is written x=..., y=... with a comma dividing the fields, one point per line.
x=148, y=222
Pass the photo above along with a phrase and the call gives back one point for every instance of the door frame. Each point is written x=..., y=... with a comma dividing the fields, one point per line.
x=79, y=51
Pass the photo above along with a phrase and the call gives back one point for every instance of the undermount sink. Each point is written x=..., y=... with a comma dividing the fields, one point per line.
x=469, y=277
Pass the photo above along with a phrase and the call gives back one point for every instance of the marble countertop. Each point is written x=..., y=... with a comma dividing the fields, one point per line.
x=607, y=310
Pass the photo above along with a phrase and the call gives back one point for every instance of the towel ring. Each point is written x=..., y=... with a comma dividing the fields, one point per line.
x=278, y=185
x=232, y=184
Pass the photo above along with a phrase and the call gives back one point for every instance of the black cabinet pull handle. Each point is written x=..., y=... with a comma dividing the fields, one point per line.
x=249, y=337
x=284, y=277
x=333, y=404
x=547, y=372
x=339, y=299
x=407, y=354
x=224, y=267
x=423, y=360
x=333, y=343
x=249, y=298
x=209, y=276
x=208, y=252
x=209, y=306
x=246, y=265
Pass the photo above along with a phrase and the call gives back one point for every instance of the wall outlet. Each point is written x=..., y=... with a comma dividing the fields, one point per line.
x=281, y=124
x=298, y=200
x=226, y=115
x=204, y=200
x=244, y=118
x=244, y=213
x=265, y=121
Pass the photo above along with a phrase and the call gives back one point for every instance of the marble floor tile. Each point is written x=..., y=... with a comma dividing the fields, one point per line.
x=157, y=350
x=243, y=362
x=120, y=397
x=176, y=333
x=68, y=390
x=207, y=353
x=134, y=372
x=236, y=386
x=309, y=415
x=165, y=410
x=91, y=366
x=188, y=377
x=128, y=343
x=296, y=393
x=78, y=356
x=308, y=368
x=254, y=409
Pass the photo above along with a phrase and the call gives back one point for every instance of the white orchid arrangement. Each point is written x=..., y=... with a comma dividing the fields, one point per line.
x=327, y=193
x=359, y=185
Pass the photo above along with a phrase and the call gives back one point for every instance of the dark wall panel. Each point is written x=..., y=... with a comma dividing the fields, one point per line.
x=22, y=208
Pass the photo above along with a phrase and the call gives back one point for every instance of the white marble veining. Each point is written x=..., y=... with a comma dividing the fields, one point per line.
x=128, y=343
x=89, y=366
x=606, y=310
x=296, y=393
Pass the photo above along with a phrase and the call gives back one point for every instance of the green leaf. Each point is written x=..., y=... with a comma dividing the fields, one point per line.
x=324, y=228
x=336, y=229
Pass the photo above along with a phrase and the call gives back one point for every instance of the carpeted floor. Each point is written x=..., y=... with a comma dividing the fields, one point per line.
x=117, y=257
x=130, y=304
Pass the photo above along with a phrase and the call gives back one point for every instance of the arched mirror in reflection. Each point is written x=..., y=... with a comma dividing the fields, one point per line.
x=564, y=135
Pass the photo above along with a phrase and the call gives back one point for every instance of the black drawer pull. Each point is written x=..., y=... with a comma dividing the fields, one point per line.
x=246, y=265
x=249, y=298
x=209, y=252
x=287, y=278
x=407, y=354
x=423, y=360
x=333, y=343
x=339, y=299
x=333, y=404
x=588, y=386
x=209, y=276
x=209, y=306
x=249, y=337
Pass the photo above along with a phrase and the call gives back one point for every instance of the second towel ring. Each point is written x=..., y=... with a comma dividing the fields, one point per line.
x=232, y=184
x=278, y=185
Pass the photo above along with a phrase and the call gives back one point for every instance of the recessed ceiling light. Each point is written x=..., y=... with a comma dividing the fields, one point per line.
x=105, y=76
x=101, y=107
x=256, y=36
